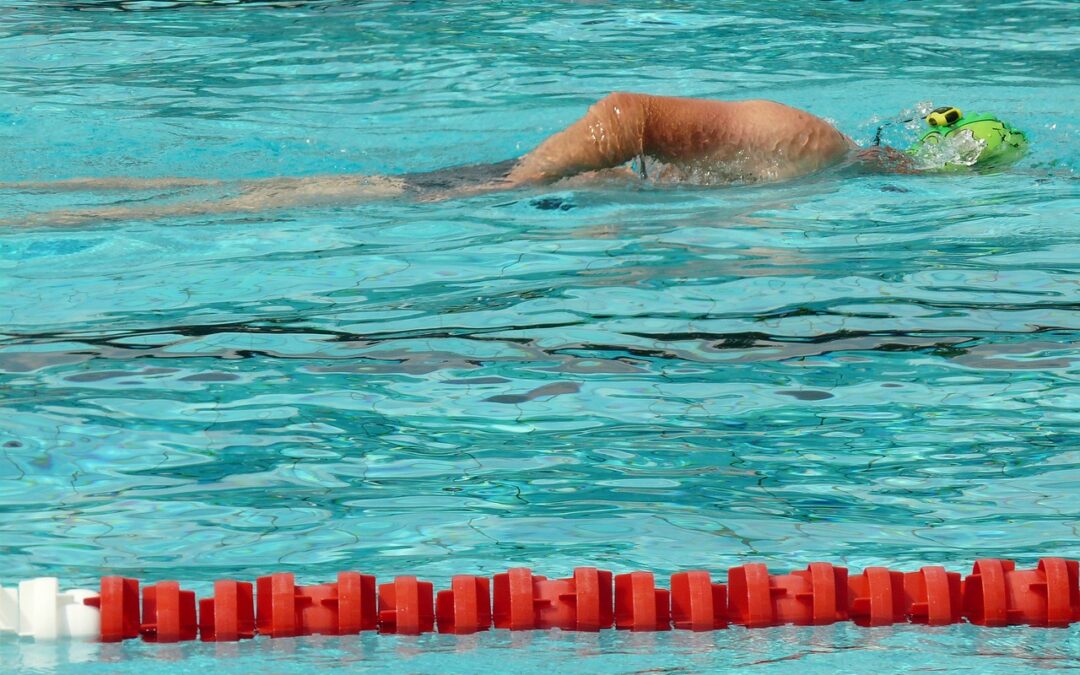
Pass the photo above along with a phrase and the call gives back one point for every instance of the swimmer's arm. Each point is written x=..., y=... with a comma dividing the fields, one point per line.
x=117, y=183
x=672, y=129
x=622, y=126
x=254, y=196
x=885, y=159
x=611, y=133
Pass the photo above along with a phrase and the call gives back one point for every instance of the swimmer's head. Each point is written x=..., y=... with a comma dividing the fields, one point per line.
x=989, y=141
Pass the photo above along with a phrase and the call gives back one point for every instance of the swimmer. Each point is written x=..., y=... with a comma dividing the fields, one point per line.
x=727, y=141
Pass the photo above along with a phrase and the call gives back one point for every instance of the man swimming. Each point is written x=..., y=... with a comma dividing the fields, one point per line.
x=739, y=140
x=697, y=139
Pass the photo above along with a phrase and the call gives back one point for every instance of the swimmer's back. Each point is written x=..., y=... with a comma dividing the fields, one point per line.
x=768, y=139
x=747, y=140
x=458, y=177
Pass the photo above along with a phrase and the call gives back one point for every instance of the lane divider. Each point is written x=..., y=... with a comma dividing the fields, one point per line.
x=342, y=608
x=995, y=593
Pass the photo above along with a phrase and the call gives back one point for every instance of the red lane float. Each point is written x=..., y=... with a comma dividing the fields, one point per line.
x=119, y=607
x=168, y=613
x=229, y=616
x=697, y=603
x=811, y=597
x=406, y=607
x=513, y=605
x=995, y=593
x=284, y=609
x=466, y=607
x=639, y=604
x=583, y=602
x=876, y=597
x=933, y=596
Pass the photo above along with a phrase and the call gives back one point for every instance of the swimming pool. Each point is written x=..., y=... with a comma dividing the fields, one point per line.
x=875, y=370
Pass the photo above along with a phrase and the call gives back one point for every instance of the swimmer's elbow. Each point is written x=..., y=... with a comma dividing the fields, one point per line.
x=624, y=99
x=608, y=135
x=623, y=118
x=627, y=106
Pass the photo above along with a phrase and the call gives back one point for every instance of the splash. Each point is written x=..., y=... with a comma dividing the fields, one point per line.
x=957, y=149
x=900, y=129
x=740, y=169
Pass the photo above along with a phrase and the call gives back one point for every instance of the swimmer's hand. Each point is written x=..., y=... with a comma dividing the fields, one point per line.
x=537, y=168
x=884, y=159
x=523, y=174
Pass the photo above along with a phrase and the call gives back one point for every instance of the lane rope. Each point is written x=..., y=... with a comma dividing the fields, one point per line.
x=994, y=593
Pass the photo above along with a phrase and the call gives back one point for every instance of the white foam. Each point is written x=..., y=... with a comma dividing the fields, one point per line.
x=958, y=149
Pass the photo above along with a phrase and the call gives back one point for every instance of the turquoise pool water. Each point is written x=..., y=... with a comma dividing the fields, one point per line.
x=863, y=370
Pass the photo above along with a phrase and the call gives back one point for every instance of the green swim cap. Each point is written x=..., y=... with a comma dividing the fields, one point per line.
x=1000, y=143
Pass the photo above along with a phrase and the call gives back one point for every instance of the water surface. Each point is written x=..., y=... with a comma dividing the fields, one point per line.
x=863, y=370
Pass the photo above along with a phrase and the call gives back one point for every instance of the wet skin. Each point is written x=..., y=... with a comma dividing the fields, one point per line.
x=750, y=140
x=733, y=141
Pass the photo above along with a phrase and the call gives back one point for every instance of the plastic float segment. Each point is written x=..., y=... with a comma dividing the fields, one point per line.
x=119, y=605
x=583, y=602
x=985, y=596
x=1061, y=592
x=284, y=609
x=998, y=594
x=814, y=596
x=38, y=605
x=876, y=597
x=229, y=616
x=697, y=603
x=513, y=601
x=639, y=604
x=994, y=594
x=357, y=603
x=466, y=607
x=77, y=619
x=9, y=610
x=39, y=610
x=168, y=613
x=275, y=605
x=406, y=606
x=749, y=596
x=317, y=609
x=933, y=596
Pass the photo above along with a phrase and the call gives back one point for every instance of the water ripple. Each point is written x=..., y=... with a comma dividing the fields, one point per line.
x=874, y=369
